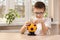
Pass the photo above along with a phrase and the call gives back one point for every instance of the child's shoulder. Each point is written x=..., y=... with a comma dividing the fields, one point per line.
x=47, y=19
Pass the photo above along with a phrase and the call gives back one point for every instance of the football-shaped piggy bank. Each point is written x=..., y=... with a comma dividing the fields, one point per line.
x=31, y=29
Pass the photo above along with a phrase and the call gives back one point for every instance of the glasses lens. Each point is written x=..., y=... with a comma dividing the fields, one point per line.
x=39, y=12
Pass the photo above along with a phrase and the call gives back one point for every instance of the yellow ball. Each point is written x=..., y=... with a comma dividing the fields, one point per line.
x=32, y=27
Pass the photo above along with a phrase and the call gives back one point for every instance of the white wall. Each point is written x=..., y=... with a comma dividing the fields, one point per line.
x=51, y=8
x=57, y=10
x=54, y=10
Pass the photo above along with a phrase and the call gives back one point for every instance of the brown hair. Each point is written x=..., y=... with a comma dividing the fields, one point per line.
x=40, y=5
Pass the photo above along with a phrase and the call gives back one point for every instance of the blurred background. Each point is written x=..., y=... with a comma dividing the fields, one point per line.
x=24, y=9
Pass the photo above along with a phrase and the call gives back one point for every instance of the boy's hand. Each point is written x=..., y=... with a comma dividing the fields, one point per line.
x=39, y=21
x=28, y=23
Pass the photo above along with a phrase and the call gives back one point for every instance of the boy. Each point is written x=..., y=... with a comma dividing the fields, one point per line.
x=43, y=24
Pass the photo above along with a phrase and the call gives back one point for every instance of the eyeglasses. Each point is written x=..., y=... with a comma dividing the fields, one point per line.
x=39, y=12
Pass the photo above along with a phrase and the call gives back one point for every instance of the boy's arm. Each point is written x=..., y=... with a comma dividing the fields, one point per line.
x=24, y=28
x=44, y=29
x=45, y=26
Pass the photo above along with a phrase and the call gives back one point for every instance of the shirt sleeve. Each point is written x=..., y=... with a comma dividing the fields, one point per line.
x=48, y=22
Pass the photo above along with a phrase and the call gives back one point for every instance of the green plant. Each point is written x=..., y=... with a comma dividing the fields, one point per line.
x=11, y=15
x=45, y=14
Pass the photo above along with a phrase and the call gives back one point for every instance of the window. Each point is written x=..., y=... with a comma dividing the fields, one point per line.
x=20, y=7
x=23, y=7
x=2, y=7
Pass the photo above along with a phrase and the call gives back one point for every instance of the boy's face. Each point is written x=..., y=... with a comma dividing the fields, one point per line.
x=39, y=12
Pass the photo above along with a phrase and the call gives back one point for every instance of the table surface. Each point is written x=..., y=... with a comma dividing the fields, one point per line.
x=18, y=36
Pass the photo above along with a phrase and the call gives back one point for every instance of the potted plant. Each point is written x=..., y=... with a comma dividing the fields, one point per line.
x=46, y=14
x=11, y=15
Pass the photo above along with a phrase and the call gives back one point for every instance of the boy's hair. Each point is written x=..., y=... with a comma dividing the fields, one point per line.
x=40, y=5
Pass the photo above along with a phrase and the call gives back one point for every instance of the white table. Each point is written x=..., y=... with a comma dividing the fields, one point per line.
x=18, y=36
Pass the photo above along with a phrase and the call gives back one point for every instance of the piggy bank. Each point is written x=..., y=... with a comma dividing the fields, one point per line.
x=31, y=29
